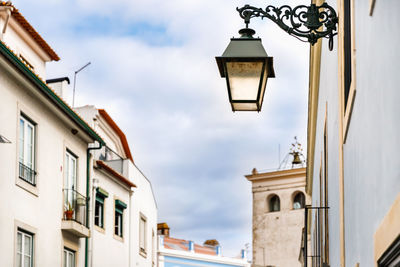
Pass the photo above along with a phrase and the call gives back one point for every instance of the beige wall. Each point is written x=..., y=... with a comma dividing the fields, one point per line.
x=277, y=235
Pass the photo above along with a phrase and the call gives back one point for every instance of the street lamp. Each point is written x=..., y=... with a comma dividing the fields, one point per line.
x=245, y=64
x=246, y=67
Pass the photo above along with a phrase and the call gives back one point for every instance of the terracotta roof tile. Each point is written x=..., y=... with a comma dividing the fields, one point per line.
x=31, y=31
x=181, y=244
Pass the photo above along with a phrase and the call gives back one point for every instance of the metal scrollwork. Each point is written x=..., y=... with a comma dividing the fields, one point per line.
x=306, y=23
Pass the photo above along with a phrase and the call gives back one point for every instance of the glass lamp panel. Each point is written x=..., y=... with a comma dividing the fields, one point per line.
x=263, y=85
x=244, y=106
x=244, y=79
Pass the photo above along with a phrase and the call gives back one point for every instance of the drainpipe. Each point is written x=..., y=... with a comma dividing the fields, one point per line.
x=130, y=227
x=88, y=197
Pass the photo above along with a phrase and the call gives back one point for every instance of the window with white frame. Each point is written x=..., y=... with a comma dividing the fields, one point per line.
x=119, y=217
x=24, y=249
x=101, y=195
x=70, y=171
x=26, y=153
x=69, y=258
x=142, y=234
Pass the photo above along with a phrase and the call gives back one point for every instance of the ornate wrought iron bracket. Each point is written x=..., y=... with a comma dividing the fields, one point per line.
x=306, y=23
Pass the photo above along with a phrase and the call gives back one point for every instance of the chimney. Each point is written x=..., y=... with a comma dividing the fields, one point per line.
x=60, y=86
x=160, y=241
x=163, y=229
x=243, y=254
x=191, y=246
x=218, y=250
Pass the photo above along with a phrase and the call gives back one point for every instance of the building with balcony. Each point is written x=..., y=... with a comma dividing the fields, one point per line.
x=43, y=184
x=353, y=139
x=173, y=252
x=123, y=207
x=73, y=198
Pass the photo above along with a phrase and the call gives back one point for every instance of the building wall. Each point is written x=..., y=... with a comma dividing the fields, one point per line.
x=38, y=208
x=370, y=154
x=108, y=249
x=143, y=203
x=22, y=44
x=277, y=235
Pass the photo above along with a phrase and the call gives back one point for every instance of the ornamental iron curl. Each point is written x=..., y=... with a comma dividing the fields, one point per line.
x=306, y=23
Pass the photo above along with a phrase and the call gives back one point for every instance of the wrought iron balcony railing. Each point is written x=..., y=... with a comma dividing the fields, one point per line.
x=75, y=206
x=27, y=174
x=112, y=159
x=317, y=218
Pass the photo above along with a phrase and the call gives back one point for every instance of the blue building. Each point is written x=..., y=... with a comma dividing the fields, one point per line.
x=174, y=252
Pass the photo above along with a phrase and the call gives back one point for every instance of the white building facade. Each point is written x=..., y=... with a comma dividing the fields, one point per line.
x=43, y=173
x=71, y=194
x=124, y=210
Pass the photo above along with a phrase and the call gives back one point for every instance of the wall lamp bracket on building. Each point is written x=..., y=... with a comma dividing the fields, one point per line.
x=306, y=23
x=245, y=64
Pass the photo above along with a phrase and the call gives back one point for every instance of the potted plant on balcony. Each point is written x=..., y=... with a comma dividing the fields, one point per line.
x=69, y=211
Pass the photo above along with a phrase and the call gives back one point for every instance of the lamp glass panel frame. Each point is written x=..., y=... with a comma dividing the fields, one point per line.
x=244, y=103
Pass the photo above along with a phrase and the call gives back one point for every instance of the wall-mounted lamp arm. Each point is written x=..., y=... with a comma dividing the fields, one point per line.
x=306, y=23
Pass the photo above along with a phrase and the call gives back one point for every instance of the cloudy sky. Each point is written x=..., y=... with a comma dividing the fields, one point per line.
x=153, y=69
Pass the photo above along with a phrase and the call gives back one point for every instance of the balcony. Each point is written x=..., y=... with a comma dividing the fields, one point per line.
x=74, y=215
x=112, y=159
x=27, y=174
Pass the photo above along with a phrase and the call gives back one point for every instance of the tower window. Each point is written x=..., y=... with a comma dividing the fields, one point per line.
x=274, y=204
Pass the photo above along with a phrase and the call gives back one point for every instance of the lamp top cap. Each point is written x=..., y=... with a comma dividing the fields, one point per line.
x=246, y=33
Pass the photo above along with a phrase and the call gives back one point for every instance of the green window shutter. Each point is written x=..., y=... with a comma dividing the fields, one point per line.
x=103, y=193
x=120, y=206
x=100, y=198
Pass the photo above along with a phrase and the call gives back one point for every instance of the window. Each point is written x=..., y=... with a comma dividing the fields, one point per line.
x=299, y=201
x=153, y=249
x=69, y=258
x=274, y=203
x=347, y=51
x=391, y=257
x=27, y=150
x=24, y=249
x=119, y=216
x=142, y=234
x=101, y=194
x=348, y=66
x=70, y=171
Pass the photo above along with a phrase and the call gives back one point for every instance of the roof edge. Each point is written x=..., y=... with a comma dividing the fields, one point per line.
x=9, y=54
x=120, y=133
x=114, y=173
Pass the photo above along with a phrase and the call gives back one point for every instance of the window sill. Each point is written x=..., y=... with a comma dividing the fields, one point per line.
x=119, y=238
x=99, y=229
x=142, y=253
x=27, y=186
